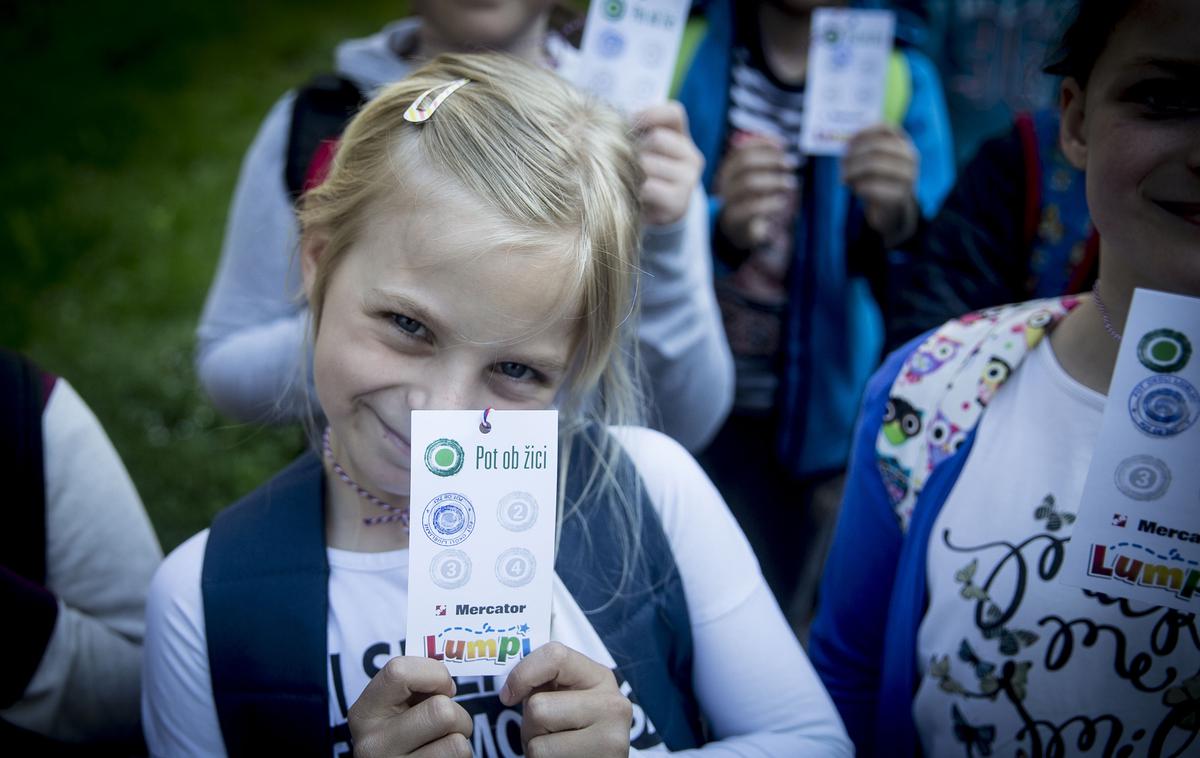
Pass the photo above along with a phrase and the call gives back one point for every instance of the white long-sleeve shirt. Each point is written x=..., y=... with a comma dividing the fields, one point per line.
x=755, y=687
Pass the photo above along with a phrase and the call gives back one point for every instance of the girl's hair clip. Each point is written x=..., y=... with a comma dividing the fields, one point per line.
x=425, y=104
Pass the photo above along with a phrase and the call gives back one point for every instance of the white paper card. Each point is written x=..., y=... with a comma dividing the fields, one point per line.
x=847, y=75
x=481, y=538
x=629, y=51
x=1138, y=529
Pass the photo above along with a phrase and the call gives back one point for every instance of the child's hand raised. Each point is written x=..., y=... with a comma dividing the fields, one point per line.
x=671, y=161
x=406, y=709
x=572, y=705
x=757, y=184
x=880, y=167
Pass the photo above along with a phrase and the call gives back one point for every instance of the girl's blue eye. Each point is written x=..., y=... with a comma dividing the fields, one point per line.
x=516, y=370
x=409, y=326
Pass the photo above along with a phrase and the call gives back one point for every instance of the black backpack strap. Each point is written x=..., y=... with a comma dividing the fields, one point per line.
x=265, y=587
x=320, y=112
x=646, y=630
x=22, y=398
x=23, y=394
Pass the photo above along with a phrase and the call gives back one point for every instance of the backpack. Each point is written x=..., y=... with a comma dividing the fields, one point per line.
x=320, y=113
x=1063, y=247
x=265, y=569
x=945, y=385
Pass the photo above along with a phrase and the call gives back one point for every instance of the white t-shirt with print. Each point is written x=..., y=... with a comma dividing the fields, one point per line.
x=1014, y=662
x=757, y=691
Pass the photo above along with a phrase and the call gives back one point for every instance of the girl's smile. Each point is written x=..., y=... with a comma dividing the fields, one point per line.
x=400, y=441
x=1189, y=212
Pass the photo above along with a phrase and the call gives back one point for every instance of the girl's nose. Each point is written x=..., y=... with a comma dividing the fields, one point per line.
x=443, y=391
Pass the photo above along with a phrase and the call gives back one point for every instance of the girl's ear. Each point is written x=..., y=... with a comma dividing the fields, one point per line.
x=1072, y=138
x=312, y=249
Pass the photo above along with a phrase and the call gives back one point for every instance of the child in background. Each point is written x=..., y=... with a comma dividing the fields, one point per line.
x=76, y=556
x=250, y=341
x=424, y=257
x=799, y=244
x=943, y=626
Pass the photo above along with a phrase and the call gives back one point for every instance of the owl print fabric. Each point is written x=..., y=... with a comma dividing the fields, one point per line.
x=1012, y=661
x=941, y=392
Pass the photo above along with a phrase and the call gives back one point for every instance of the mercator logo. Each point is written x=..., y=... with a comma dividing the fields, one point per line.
x=444, y=457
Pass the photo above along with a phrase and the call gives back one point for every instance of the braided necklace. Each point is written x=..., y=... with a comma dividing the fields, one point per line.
x=1104, y=315
x=393, y=513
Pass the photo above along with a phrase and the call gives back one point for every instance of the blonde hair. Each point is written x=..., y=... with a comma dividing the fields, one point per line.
x=554, y=163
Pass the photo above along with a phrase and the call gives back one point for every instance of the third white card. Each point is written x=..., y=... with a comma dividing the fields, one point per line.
x=1138, y=534
x=847, y=75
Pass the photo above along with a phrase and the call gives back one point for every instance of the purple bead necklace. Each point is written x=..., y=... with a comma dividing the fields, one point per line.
x=394, y=514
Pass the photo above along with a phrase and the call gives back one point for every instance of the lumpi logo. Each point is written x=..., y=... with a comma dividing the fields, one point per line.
x=1181, y=580
x=444, y=457
x=460, y=643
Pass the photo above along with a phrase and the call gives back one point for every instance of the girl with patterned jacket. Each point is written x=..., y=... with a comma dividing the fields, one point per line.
x=943, y=626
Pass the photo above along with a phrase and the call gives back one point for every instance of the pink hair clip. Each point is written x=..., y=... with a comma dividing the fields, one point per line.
x=423, y=107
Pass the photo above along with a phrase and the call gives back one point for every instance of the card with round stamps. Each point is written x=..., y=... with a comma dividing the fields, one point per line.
x=628, y=51
x=848, y=57
x=1138, y=529
x=484, y=488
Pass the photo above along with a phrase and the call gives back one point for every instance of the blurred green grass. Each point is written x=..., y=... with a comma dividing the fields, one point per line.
x=124, y=130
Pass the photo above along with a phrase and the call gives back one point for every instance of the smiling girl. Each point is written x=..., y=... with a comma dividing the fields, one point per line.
x=483, y=257
x=944, y=625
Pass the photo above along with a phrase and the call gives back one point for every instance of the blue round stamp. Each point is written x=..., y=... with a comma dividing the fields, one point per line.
x=611, y=44
x=448, y=519
x=1164, y=405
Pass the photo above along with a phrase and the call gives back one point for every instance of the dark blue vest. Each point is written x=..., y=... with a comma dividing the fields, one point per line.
x=265, y=570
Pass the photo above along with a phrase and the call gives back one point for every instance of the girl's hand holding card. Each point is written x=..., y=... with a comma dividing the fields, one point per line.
x=880, y=167
x=406, y=710
x=572, y=706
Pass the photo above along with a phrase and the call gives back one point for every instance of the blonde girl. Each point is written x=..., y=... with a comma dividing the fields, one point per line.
x=483, y=257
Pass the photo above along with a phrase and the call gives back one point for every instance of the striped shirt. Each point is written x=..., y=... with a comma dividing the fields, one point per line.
x=761, y=104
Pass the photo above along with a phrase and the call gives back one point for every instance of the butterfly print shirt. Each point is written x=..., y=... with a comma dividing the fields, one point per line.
x=1013, y=662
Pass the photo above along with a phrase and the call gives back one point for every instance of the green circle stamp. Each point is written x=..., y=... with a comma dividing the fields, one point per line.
x=1164, y=350
x=444, y=457
x=614, y=9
